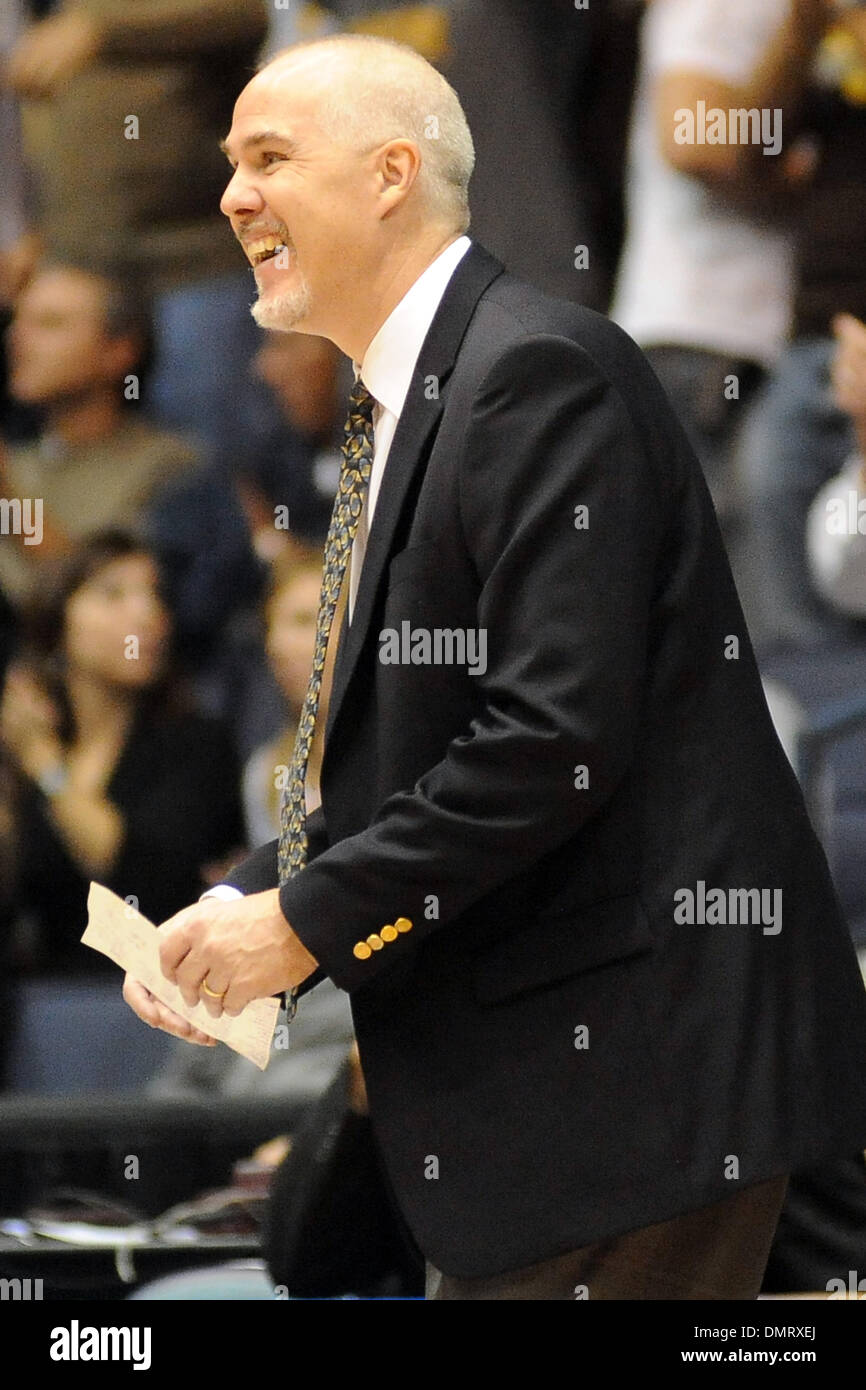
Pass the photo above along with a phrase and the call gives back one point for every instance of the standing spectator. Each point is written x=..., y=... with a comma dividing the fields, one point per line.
x=706, y=279
x=546, y=90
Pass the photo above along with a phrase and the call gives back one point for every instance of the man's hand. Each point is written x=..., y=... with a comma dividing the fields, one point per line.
x=51, y=52
x=157, y=1015
x=243, y=949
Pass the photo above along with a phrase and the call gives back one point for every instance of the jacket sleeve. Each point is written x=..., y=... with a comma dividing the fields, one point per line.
x=258, y=872
x=566, y=609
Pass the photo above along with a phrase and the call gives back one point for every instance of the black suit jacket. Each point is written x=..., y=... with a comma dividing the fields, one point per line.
x=553, y=1058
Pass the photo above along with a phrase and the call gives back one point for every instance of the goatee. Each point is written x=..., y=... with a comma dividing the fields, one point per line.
x=282, y=311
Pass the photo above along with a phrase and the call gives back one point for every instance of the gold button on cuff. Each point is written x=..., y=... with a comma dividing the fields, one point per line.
x=403, y=924
x=361, y=950
x=388, y=933
x=375, y=941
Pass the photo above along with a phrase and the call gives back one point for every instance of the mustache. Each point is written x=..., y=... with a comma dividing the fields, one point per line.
x=253, y=231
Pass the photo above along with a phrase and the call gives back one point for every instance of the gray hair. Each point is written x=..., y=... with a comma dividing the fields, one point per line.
x=379, y=90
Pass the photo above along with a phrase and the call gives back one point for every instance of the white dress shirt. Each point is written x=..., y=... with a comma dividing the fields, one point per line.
x=386, y=371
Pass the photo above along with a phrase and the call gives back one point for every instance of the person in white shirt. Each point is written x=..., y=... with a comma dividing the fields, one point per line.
x=706, y=279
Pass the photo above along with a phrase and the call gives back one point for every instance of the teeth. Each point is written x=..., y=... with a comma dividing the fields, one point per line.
x=265, y=246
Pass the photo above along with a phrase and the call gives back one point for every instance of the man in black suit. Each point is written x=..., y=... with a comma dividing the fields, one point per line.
x=603, y=995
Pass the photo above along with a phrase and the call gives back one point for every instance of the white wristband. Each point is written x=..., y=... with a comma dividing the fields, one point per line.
x=224, y=891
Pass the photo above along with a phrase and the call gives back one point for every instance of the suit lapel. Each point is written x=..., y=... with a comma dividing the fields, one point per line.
x=409, y=452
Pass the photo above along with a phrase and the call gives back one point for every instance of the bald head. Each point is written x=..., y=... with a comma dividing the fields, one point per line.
x=366, y=91
x=351, y=160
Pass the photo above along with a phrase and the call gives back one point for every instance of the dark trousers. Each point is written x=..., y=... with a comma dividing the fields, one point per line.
x=717, y=1252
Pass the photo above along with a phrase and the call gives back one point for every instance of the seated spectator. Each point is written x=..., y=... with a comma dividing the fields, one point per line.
x=837, y=518
x=77, y=345
x=799, y=437
x=217, y=530
x=116, y=780
x=295, y=464
x=290, y=614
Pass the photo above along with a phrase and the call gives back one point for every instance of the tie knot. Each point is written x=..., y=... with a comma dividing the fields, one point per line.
x=361, y=402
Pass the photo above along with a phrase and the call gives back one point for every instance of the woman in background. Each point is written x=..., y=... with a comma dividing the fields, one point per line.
x=291, y=607
x=116, y=779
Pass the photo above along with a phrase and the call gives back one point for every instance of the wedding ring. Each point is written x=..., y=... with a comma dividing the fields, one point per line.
x=211, y=993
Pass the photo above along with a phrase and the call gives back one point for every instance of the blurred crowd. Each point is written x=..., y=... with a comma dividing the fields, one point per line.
x=167, y=470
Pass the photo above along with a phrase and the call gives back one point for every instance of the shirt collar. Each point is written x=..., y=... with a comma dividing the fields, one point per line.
x=393, y=353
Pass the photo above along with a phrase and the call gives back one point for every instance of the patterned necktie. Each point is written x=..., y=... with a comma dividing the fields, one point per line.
x=354, y=479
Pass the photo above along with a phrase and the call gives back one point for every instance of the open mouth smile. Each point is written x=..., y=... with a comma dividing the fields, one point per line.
x=265, y=249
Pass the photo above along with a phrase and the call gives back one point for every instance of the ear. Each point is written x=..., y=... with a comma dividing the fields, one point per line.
x=397, y=166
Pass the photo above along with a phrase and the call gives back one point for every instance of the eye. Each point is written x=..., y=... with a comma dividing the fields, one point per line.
x=272, y=157
x=111, y=591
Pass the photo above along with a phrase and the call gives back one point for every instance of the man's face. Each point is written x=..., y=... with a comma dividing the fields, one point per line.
x=58, y=346
x=301, y=205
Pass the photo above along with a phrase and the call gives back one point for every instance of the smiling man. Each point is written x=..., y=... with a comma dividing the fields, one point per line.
x=575, y=1094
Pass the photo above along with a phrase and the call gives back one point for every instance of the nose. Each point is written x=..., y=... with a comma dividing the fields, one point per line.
x=241, y=197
